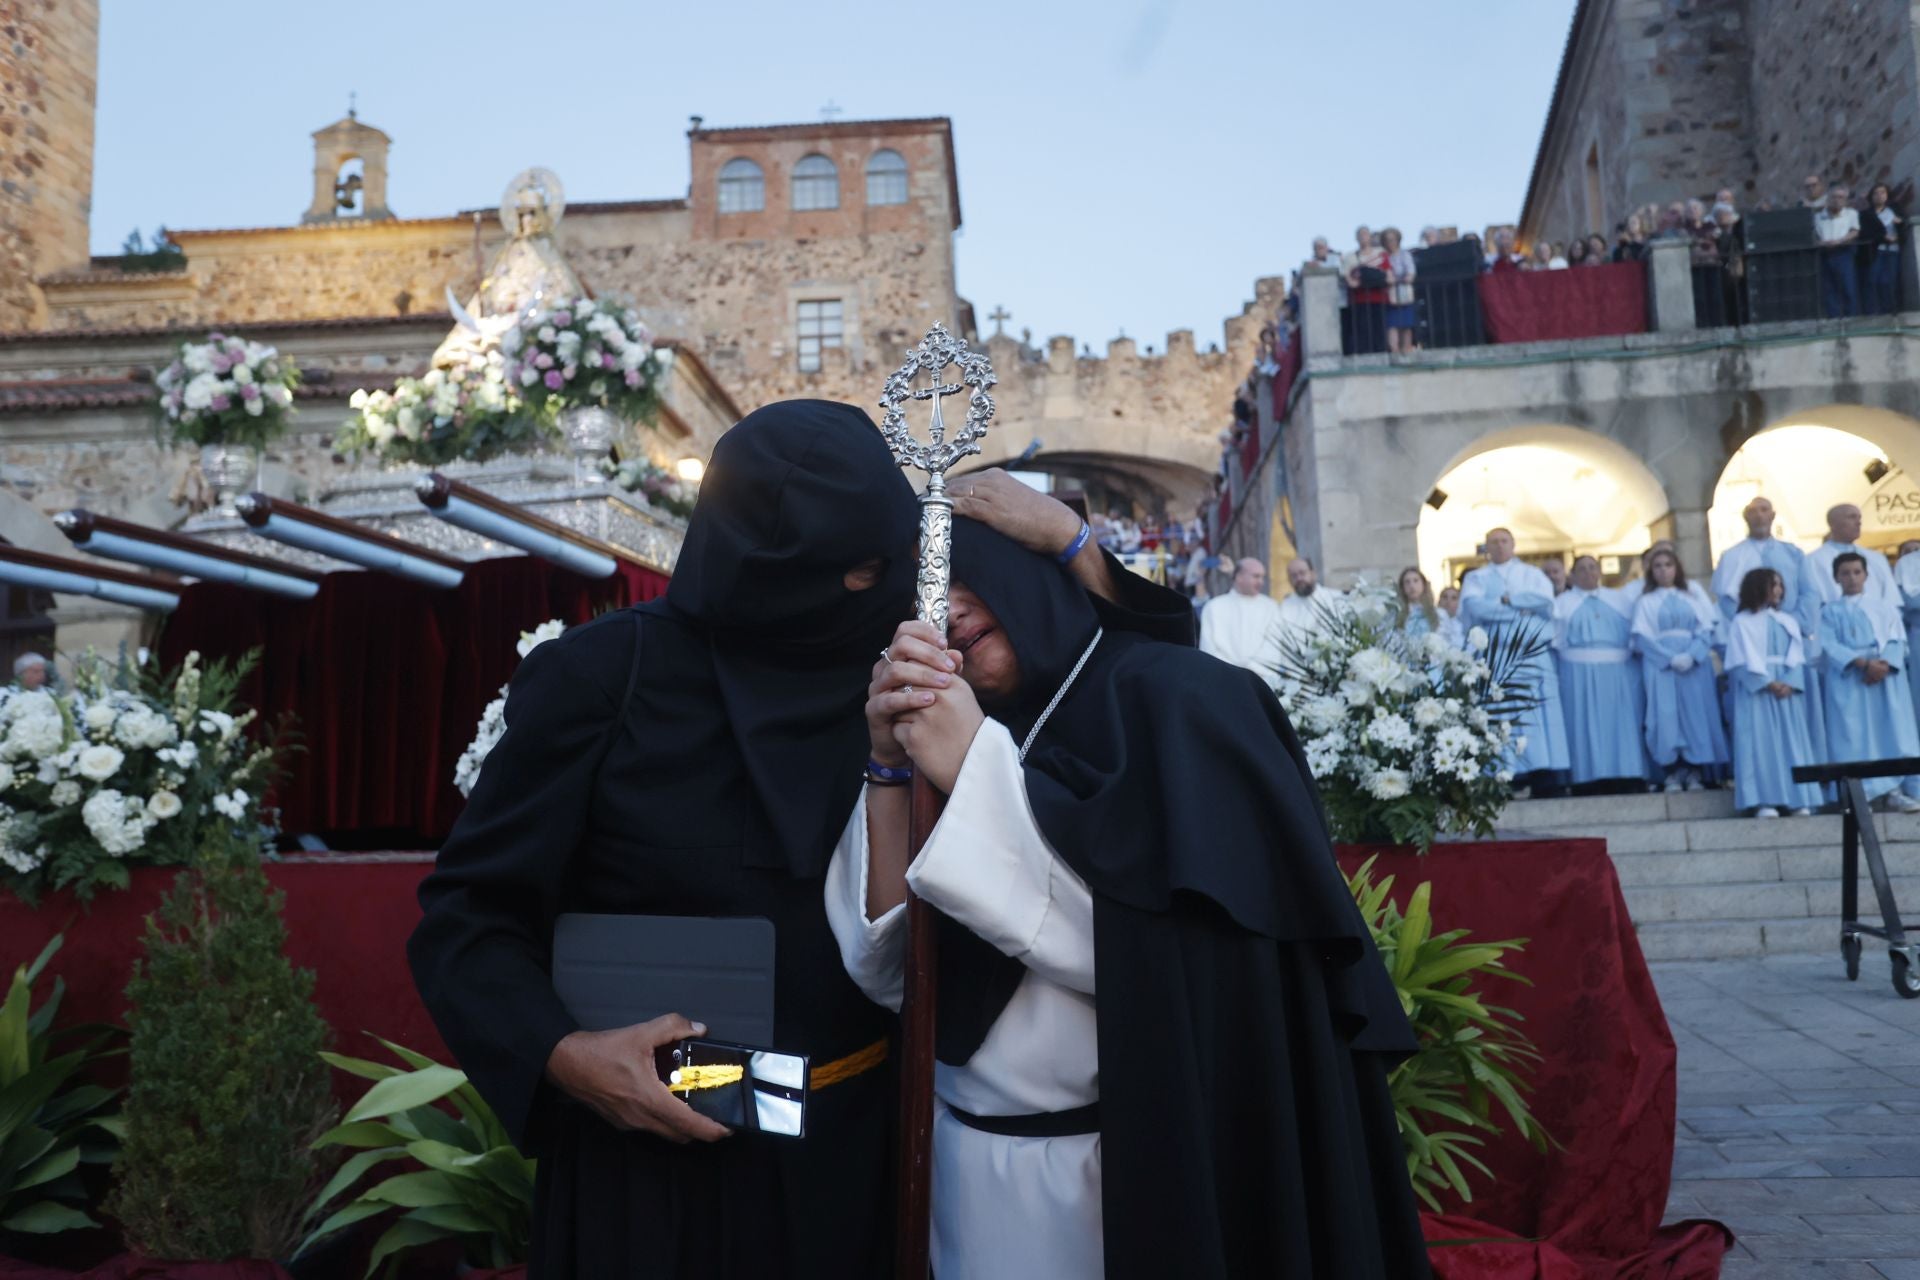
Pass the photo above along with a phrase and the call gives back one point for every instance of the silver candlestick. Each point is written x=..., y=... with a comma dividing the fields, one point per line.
x=936, y=353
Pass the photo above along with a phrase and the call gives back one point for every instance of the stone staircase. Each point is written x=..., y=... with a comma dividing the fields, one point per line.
x=1702, y=884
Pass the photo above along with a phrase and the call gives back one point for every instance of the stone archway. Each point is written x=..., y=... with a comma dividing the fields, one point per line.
x=1560, y=489
x=1818, y=457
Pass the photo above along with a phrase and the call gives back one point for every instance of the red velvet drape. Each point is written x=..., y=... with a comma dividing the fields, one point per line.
x=385, y=678
x=1580, y=302
x=1606, y=1088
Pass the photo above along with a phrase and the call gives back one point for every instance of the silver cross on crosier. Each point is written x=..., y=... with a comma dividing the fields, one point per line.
x=936, y=353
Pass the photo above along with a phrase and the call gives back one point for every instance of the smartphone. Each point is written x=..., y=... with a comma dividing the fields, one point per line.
x=747, y=1089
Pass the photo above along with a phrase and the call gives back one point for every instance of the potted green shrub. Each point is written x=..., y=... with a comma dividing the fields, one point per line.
x=228, y=1093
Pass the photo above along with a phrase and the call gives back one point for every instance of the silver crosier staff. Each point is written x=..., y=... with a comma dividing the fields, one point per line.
x=936, y=353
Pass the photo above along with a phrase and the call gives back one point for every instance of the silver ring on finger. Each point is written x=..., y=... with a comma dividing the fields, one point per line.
x=886, y=654
x=907, y=689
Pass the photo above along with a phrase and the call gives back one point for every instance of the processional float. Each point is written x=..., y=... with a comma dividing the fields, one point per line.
x=936, y=353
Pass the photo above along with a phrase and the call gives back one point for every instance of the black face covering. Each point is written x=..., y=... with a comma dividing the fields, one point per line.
x=797, y=494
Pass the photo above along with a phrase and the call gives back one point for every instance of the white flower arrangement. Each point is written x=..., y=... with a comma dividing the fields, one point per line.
x=584, y=351
x=464, y=409
x=121, y=768
x=225, y=390
x=1406, y=735
x=493, y=721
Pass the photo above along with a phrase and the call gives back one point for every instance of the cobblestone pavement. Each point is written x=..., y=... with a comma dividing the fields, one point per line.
x=1799, y=1114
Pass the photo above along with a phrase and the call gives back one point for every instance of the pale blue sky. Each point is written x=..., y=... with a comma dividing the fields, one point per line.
x=1128, y=166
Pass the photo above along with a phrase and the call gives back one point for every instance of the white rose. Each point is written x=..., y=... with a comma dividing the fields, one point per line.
x=100, y=762
x=65, y=792
x=100, y=716
x=1388, y=784
x=1477, y=639
x=163, y=805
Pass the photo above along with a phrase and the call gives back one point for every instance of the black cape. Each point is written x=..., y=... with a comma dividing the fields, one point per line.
x=1245, y=1021
x=717, y=789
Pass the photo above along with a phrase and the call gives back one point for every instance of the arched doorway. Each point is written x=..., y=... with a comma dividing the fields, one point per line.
x=1819, y=459
x=1563, y=491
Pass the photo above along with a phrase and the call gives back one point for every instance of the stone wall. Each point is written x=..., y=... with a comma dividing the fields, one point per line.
x=1658, y=93
x=1840, y=93
x=48, y=51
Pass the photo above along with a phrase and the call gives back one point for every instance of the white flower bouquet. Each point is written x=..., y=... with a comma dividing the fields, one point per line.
x=466, y=409
x=493, y=721
x=225, y=390
x=660, y=487
x=122, y=768
x=1407, y=735
x=584, y=352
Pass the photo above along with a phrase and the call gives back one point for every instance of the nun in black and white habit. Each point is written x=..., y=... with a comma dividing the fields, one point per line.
x=1163, y=1029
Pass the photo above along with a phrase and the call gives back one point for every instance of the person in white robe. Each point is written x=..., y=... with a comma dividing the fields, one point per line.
x=1508, y=596
x=1450, y=625
x=1599, y=680
x=1244, y=627
x=1843, y=538
x=1673, y=632
x=1869, y=709
x=1760, y=549
x=1018, y=1138
x=1311, y=607
x=1766, y=668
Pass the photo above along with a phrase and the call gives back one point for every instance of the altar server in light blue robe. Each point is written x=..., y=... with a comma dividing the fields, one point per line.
x=1767, y=667
x=1419, y=614
x=1906, y=580
x=1673, y=632
x=1761, y=550
x=1599, y=679
x=1869, y=708
x=1510, y=597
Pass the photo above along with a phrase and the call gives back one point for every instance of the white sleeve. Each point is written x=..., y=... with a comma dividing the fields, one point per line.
x=873, y=951
x=988, y=867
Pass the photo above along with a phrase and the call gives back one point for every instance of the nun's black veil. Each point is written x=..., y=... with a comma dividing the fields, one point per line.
x=796, y=494
x=1245, y=1021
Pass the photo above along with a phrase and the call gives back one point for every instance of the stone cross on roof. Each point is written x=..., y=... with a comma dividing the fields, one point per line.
x=999, y=315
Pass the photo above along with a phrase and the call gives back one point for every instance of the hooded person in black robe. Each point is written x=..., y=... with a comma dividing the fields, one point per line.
x=695, y=756
x=1244, y=1022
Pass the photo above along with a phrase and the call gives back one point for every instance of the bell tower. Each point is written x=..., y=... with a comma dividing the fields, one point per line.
x=49, y=67
x=349, y=172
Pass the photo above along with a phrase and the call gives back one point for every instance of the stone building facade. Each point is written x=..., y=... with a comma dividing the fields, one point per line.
x=1660, y=100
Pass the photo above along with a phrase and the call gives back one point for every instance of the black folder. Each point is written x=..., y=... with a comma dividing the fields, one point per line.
x=614, y=971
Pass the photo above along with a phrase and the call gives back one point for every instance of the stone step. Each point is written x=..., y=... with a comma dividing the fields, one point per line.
x=1738, y=939
x=1653, y=806
x=1751, y=900
x=1723, y=866
x=1818, y=831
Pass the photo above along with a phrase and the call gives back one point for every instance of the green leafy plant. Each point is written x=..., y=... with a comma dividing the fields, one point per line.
x=228, y=1093
x=51, y=1121
x=462, y=1177
x=1472, y=1061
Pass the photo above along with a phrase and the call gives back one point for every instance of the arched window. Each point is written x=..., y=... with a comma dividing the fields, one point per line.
x=816, y=183
x=887, y=178
x=743, y=188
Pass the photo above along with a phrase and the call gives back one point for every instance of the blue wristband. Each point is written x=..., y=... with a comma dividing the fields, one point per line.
x=887, y=775
x=1074, y=547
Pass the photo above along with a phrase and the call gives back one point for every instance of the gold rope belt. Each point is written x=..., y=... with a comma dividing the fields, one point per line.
x=854, y=1064
x=718, y=1076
